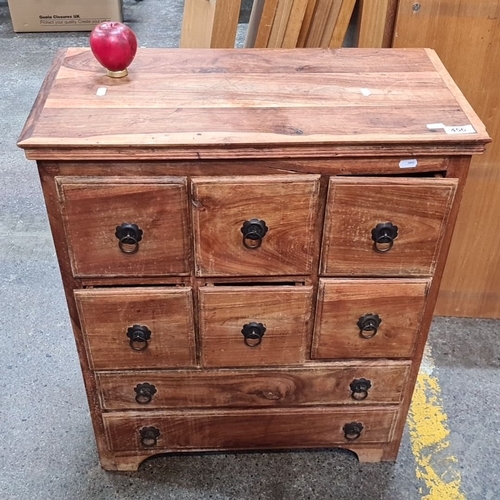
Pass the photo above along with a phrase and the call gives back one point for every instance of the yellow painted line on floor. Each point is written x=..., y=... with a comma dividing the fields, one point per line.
x=429, y=434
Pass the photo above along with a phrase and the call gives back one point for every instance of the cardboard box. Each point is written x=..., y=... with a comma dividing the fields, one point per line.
x=62, y=15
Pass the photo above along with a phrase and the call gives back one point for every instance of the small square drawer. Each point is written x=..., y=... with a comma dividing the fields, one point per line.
x=376, y=318
x=360, y=383
x=130, y=328
x=385, y=227
x=255, y=226
x=254, y=325
x=256, y=429
x=125, y=226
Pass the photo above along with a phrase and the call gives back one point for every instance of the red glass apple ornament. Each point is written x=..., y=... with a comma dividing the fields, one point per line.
x=114, y=45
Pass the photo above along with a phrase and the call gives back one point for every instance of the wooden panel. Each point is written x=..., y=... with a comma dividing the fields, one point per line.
x=326, y=166
x=225, y=24
x=372, y=25
x=341, y=303
x=197, y=23
x=306, y=23
x=225, y=310
x=94, y=207
x=318, y=23
x=470, y=282
x=197, y=99
x=331, y=20
x=266, y=23
x=341, y=24
x=253, y=429
x=210, y=23
x=280, y=23
x=254, y=22
x=320, y=385
x=418, y=207
x=294, y=24
x=106, y=315
x=287, y=204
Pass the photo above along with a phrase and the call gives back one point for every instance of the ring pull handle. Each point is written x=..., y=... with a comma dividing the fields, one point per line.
x=144, y=393
x=368, y=325
x=253, y=333
x=253, y=231
x=353, y=430
x=383, y=236
x=139, y=336
x=128, y=236
x=359, y=388
x=149, y=436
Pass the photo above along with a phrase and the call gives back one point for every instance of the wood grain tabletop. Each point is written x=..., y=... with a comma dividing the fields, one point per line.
x=187, y=102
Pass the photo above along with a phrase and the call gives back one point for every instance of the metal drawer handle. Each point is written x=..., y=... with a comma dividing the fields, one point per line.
x=128, y=236
x=139, y=336
x=253, y=231
x=144, y=393
x=383, y=236
x=368, y=325
x=353, y=430
x=149, y=436
x=359, y=388
x=253, y=333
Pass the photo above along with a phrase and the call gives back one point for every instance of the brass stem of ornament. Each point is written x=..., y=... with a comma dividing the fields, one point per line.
x=117, y=74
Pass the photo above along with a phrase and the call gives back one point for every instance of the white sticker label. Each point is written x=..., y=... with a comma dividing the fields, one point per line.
x=435, y=126
x=101, y=91
x=366, y=92
x=460, y=129
x=408, y=163
x=465, y=129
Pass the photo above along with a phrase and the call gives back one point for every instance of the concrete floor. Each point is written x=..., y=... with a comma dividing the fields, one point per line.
x=47, y=448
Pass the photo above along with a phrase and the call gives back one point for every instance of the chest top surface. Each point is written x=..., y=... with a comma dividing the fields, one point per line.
x=189, y=103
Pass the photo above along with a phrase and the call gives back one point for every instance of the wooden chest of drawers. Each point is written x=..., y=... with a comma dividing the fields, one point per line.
x=251, y=241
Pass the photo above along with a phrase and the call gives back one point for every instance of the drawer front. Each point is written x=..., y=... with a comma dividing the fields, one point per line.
x=126, y=226
x=238, y=429
x=347, y=383
x=385, y=227
x=255, y=226
x=377, y=318
x=254, y=325
x=116, y=322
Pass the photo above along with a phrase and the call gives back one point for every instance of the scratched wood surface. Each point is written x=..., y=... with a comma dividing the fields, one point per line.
x=187, y=98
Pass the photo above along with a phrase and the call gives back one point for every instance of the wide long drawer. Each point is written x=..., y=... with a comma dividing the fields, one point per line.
x=251, y=429
x=344, y=383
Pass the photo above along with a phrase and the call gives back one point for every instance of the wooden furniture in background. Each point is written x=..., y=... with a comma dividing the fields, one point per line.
x=466, y=36
x=273, y=23
x=210, y=23
x=376, y=23
x=251, y=241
